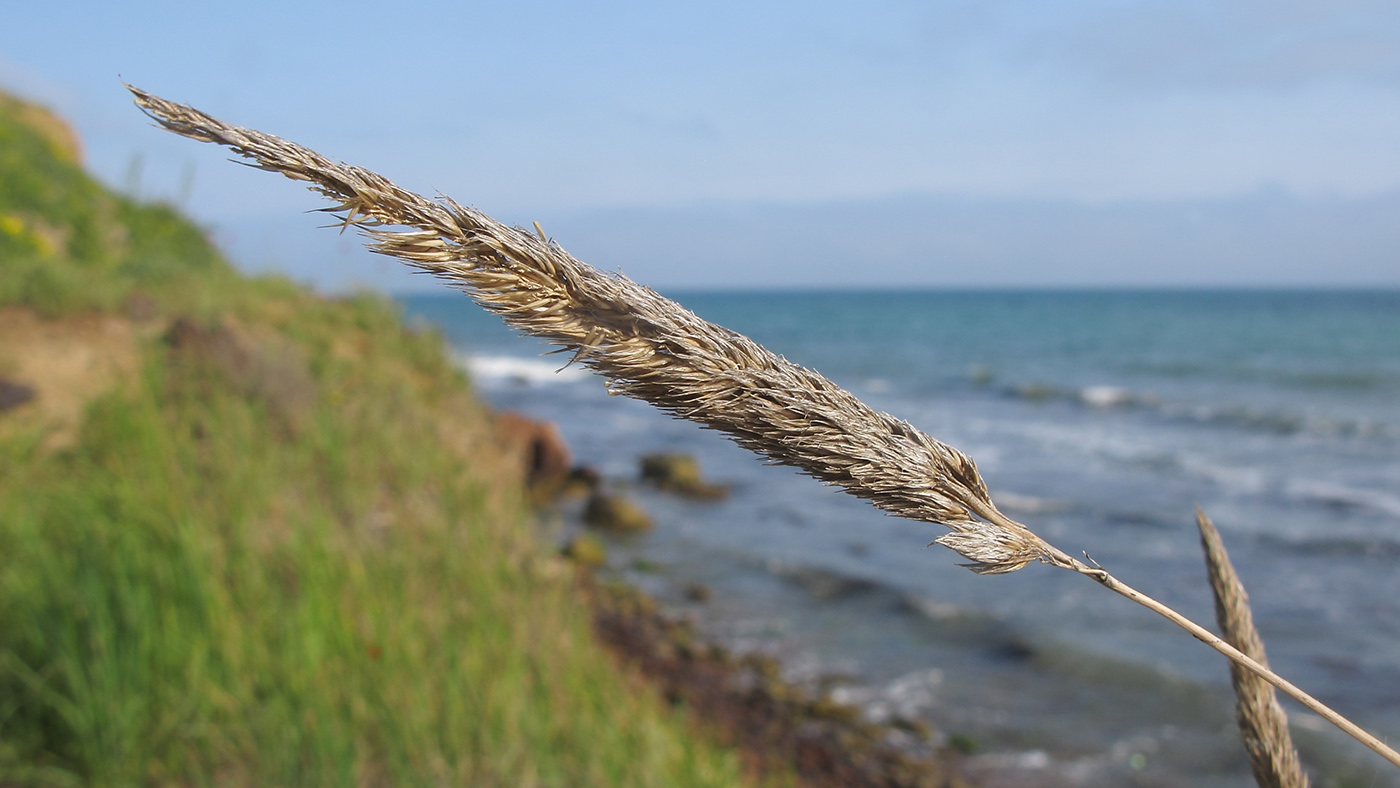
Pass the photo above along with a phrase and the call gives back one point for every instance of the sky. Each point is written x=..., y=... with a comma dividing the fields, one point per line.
x=942, y=143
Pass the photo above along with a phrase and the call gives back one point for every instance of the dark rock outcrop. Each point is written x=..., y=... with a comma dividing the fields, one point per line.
x=586, y=550
x=680, y=474
x=544, y=456
x=608, y=511
x=13, y=394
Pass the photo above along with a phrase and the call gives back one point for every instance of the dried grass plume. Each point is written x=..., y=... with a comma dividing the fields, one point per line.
x=652, y=348
x=1263, y=725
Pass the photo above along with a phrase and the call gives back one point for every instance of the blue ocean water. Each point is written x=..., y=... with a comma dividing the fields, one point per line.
x=1100, y=419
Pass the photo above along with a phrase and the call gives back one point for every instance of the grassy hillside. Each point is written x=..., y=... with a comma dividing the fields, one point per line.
x=280, y=549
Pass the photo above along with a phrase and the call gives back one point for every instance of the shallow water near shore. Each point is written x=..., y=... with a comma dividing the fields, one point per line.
x=1097, y=418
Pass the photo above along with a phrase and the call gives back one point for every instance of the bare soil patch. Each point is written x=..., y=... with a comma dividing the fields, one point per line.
x=66, y=363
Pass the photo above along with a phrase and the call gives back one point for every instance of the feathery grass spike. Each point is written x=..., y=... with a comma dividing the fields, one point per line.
x=655, y=350
x=1263, y=725
x=651, y=348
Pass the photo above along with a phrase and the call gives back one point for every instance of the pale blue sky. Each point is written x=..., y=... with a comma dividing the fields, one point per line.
x=734, y=144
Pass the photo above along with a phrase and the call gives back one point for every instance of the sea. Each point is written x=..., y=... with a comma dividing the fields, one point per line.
x=1100, y=419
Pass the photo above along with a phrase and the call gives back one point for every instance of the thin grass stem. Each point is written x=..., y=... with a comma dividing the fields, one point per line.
x=1100, y=575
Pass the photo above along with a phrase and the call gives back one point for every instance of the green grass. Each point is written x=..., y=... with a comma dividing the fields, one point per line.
x=309, y=569
x=68, y=244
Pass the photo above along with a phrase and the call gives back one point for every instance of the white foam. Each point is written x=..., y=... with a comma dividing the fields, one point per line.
x=1106, y=396
x=1330, y=492
x=904, y=698
x=1235, y=478
x=1028, y=760
x=932, y=608
x=522, y=371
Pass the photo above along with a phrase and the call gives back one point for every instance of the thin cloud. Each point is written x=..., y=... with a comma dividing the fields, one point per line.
x=1217, y=46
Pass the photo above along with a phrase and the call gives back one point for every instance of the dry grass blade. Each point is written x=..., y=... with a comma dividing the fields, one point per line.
x=652, y=348
x=1263, y=725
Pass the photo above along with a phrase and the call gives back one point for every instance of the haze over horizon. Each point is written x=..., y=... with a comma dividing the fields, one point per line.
x=947, y=144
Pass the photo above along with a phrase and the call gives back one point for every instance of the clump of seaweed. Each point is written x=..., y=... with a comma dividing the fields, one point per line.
x=653, y=349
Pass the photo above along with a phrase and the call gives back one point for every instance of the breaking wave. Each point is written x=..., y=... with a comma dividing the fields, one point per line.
x=521, y=371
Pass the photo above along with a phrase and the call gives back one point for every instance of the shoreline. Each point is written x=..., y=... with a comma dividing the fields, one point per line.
x=741, y=700
x=745, y=703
